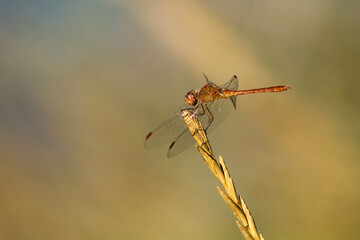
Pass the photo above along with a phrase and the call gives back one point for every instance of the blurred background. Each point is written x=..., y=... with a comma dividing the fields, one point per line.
x=83, y=82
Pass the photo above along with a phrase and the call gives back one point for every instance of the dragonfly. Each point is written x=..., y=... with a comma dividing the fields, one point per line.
x=210, y=106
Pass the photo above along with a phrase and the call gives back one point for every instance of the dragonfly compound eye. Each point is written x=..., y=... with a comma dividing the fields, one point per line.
x=190, y=98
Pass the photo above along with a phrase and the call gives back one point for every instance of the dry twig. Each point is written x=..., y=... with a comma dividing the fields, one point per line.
x=236, y=204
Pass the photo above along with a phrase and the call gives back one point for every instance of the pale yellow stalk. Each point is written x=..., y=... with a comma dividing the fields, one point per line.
x=236, y=204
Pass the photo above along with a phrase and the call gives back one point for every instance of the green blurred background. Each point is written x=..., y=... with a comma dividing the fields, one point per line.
x=82, y=82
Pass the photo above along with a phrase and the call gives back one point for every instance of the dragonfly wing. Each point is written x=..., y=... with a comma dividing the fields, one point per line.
x=220, y=109
x=168, y=131
x=232, y=84
x=184, y=141
x=208, y=81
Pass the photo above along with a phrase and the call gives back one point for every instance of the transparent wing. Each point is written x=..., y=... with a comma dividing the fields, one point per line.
x=220, y=108
x=232, y=85
x=173, y=131
x=183, y=141
x=168, y=131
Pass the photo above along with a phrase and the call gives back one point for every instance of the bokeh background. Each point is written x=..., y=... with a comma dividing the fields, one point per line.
x=83, y=82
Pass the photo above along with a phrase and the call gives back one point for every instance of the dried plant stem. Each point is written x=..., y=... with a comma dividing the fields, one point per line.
x=236, y=204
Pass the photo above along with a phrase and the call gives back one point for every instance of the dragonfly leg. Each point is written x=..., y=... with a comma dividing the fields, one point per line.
x=191, y=110
x=208, y=112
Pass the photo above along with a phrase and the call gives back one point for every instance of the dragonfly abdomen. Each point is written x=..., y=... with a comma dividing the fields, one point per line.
x=230, y=93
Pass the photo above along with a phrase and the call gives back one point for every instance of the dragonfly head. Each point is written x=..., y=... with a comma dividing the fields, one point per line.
x=190, y=98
